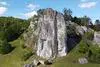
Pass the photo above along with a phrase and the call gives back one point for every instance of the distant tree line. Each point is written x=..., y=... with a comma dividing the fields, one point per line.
x=83, y=21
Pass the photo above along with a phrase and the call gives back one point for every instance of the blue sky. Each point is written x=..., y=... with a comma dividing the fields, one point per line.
x=27, y=8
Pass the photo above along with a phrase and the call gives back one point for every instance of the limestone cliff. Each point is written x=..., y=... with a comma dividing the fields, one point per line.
x=52, y=35
x=97, y=38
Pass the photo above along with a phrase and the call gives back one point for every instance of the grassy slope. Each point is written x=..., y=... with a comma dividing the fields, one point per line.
x=13, y=59
x=71, y=60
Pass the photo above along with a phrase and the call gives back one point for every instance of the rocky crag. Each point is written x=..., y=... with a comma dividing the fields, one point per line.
x=52, y=35
x=49, y=38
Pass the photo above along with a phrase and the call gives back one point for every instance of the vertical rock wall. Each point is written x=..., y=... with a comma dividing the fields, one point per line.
x=52, y=35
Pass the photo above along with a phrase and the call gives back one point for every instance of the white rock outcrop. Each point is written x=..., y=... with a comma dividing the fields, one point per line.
x=80, y=30
x=52, y=35
x=82, y=60
x=97, y=37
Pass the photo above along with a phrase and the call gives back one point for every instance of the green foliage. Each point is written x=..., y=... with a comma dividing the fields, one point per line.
x=40, y=12
x=84, y=21
x=67, y=14
x=76, y=20
x=13, y=27
x=5, y=47
x=94, y=56
x=92, y=51
x=83, y=47
x=10, y=29
x=97, y=22
x=27, y=55
x=96, y=27
x=2, y=35
x=89, y=36
x=70, y=29
x=86, y=42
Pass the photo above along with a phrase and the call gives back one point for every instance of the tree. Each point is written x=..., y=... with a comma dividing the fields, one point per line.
x=10, y=29
x=76, y=20
x=40, y=12
x=67, y=14
x=97, y=25
x=5, y=47
x=13, y=27
x=97, y=22
x=85, y=21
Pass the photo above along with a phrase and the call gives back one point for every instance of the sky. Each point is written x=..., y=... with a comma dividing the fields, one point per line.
x=27, y=8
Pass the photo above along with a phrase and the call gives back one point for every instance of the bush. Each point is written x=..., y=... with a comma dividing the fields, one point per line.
x=83, y=47
x=70, y=29
x=2, y=35
x=91, y=51
x=12, y=27
x=27, y=55
x=89, y=35
x=94, y=56
x=86, y=42
x=5, y=47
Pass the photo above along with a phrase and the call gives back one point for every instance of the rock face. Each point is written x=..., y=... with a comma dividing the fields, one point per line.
x=52, y=35
x=81, y=30
x=97, y=37
x=30, y=36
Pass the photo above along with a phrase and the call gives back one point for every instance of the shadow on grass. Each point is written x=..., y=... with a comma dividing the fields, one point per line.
x=7, y=50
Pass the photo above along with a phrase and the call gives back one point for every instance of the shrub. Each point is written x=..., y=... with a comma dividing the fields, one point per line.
x=27, y=55
x=95, y=54
x=70, y=29
x=2, y=35
x=86, y=42
x=89, y=35
x=5, y=47
x=83, y=47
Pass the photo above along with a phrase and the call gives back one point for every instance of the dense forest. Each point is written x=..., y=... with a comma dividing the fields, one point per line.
x=10, y=29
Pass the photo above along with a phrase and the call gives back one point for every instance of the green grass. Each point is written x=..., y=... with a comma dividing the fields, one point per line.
x=14, y=59
x=71, y=60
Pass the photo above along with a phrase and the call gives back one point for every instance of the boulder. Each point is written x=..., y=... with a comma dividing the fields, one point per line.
x=52, y=35
x=28, y=65
x=41, y=62
x=48, y=62
x=81, y=30
x=35, y=62
x=82, y=60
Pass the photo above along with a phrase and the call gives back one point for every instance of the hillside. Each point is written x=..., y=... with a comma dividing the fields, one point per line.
x=49, y=39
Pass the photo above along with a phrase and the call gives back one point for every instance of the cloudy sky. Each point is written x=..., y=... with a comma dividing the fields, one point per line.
x=27, y=8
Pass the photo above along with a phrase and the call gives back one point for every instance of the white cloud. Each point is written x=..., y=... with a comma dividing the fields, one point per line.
x=3, y=3
x=87, y=4
x=30, y=14
x=31, y=11
x=32, y=6
x=2, y=10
